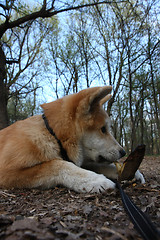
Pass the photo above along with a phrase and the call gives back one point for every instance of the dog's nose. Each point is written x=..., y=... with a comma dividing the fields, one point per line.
x=122, y=153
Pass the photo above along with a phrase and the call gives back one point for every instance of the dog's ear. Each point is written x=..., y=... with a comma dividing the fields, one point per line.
x=99, y=97
x=105, y=99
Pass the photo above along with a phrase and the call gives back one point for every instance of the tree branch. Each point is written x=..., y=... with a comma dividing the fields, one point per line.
x=11, y=61
x=44, y=13
x=4, y=7
x=158, y=42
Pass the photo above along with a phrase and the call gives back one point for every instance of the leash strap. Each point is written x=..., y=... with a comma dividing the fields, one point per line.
x=140, y=220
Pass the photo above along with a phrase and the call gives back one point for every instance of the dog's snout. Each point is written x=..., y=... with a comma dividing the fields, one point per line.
x=122, y=153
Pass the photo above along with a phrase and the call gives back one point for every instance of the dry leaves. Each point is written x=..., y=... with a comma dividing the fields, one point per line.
x=62, y=214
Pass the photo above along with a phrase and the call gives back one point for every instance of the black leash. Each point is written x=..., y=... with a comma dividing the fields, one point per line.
x=62, y=150
x=140, y=220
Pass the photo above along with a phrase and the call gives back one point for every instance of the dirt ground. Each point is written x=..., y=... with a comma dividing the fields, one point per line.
x=63, y=214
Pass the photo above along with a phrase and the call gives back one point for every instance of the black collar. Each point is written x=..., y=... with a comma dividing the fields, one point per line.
x=62, y=150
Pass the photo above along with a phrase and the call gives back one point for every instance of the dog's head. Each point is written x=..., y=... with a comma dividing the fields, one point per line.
x=82, y=126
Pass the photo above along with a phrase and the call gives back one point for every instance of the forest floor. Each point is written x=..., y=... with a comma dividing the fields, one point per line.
x=63, y=214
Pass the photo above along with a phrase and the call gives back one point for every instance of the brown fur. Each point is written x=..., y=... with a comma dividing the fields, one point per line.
x=30, y=155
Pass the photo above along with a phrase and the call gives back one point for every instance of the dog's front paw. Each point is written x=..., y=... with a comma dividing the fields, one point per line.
x=139, y=177
x=98, y=184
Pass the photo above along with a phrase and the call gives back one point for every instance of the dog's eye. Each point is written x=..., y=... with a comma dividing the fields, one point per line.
x=103, y=129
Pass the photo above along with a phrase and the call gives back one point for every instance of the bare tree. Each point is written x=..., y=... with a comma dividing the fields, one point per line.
x=22, y=20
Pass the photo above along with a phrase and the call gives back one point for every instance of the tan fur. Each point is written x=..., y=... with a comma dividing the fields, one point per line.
x=30, y=155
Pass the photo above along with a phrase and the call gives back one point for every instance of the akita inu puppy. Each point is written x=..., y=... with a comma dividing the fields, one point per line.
x=43, y=151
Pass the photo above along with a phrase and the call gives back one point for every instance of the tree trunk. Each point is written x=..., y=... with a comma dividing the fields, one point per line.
x=130, y=100
x=156, y=114
x=3, y=91
x=142, y=116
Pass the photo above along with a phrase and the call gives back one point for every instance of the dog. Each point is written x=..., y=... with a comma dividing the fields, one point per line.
x=58, y=147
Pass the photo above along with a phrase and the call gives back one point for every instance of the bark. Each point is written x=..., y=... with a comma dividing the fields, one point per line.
x=133, y=136
x=141, y=120
x=3, y=91
x=111, y=101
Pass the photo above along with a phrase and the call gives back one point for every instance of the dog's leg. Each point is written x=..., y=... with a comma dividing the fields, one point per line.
x=139, y=176
x=59, y=172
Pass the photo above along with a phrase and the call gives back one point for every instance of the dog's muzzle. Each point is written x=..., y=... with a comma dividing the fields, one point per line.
x=122, y=153
x=101, y=159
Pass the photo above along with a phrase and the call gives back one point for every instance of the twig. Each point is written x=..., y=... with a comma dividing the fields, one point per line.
x=114, y=232
x=6, y=194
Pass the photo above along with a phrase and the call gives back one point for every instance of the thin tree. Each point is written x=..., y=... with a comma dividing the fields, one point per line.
x=47, y=10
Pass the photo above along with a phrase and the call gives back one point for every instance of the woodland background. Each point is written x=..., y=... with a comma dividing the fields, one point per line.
x=52, y=48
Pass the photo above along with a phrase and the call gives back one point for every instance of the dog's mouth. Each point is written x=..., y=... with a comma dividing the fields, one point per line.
x=101, y=159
